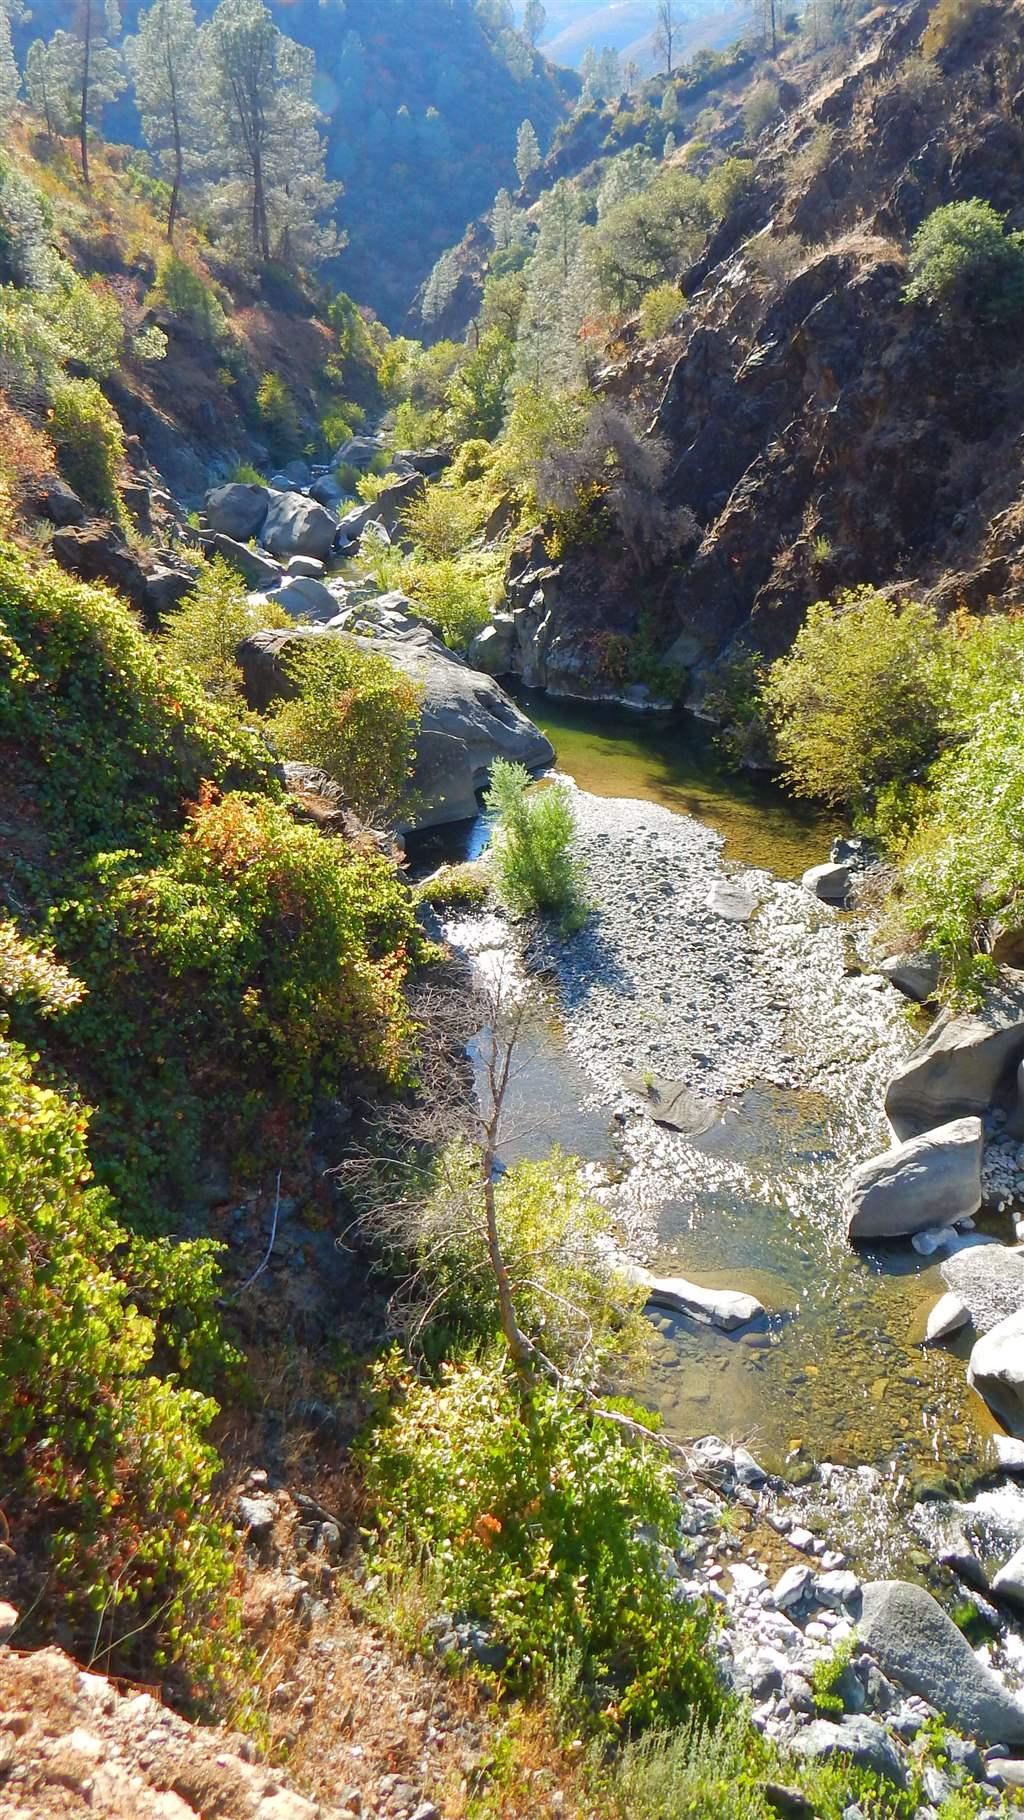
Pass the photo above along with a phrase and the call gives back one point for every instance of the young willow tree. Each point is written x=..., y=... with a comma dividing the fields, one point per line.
x=267, y=150
x=162, y=61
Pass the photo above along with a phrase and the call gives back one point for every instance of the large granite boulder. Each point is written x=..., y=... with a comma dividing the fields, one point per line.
x=960, y=1064
x=467, y=720
x=255, y=570
x=297, y=526
x=915, y=975
x=97, y=552
x=996, y=1370
x=237, y=509
x=491, y=650
x=305, y=598
x=725, y=1308
x=52, y=498
x=989, y=1281
x=915, y=1644
x=932, y=1180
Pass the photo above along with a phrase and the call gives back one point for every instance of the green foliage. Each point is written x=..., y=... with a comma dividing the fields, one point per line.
x=826, y=1676
x=25, y=227
x=476, y=396
x=187, y=297
x=659, y=309
x=89, y=441
x=948, y=21
x=446, y=518
x=456, y=593
x=761, y=109
x=106, y=1461
x=545, y=1526
x=455, y=887
x=205, y=631
x=727, y=184
x=277, y=409
x=356, y=716
x=534, y=864
x=647, y=239
x=857, y=702
x=556, y=1250
x=964, y=265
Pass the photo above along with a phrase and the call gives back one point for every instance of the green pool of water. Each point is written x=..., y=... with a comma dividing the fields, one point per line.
x=672, y=760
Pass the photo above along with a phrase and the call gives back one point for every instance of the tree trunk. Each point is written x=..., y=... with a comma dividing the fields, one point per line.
x=172, y=212
x=260, y=235
x=83, y=123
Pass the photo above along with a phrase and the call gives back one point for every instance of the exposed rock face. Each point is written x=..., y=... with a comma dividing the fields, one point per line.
x=996, y=1370
x=52, y=498
x=237, y=509
x=491, y=649
x=99, y=553
x=960, y=1064
x=930, y=1181
x=915, y=1644
x=467, y=720
x=989, y=1281
x=297, y=526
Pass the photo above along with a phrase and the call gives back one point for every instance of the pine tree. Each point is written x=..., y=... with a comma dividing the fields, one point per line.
x=84, y=71
x=440, y=287
x=527, y=152
x=10, y=81
x=506, y=221
x=535, y=19
x=39, y=87
x=162, y=61
x=258, y=114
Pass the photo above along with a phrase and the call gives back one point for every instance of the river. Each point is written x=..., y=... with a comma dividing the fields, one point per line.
x=793, y=1048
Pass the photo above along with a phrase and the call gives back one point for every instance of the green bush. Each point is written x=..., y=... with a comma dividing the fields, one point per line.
x=106, y=1463
x=186, y=296
x=462, y=887
x=659, y=309
x=277, y=409
x=456, y=594
x=89, y=441
x=539, y=1522
x=964, y=265
x=534, y=864
x=356, y=716
x=444, y=520
x=203, y=633
x=859, y=700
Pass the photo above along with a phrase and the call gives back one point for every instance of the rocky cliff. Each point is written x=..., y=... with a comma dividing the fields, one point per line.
x=824, y=431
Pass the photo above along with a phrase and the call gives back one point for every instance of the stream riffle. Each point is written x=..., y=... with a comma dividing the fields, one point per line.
x=774, y=1026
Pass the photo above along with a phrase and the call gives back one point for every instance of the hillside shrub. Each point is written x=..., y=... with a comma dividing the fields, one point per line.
x=87, y=318
x=858, y=702
x=25, y=227
x=89, y=441
x=948, y=21
x=356, y=716
x=761, y=109
x=456, y=594
x=277, y=410
x=107, y=1467
x=186, y=296
x=659, y=309
x=539, y=1523
x=963, y=264
x=535, y=867
x=205, y=631
x=444, y=519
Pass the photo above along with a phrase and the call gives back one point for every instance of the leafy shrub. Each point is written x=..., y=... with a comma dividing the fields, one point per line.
x=276, y=408
x=964, y=264
x=456, y=594
x=948, y=21
x=356, y=716
x=25, y=225
x=205, y=631
x=462, y=887
x=445, y=519
x=534, y=865
x=543, y=1525
x=727, y=184
x=256, y=964
x=761, y=109
x=186, y=296
x=474, y=461
x=659, y=309
x=89, y=441
x=858, y=701
x=106, y=1463
x=87, y=318
x=248, y=476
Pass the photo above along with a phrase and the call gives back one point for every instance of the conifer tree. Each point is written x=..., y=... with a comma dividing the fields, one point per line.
x=84, y=70
x=10, y=81
x=506, y=221
x=535, y=18
x=162, y=61
x=527, y=151
x=263, y=127
x=43, y=98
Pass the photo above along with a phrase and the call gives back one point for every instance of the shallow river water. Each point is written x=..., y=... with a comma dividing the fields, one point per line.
x=792, y=1049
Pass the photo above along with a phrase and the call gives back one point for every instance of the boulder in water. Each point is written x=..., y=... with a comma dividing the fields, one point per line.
x=915, y=975
x=237, y=509
x=915, y=1644
x=989, y=1281
x=829, y=882
x=933, y=1180
x=725, y=1308
x=961, y=1062
x=996, y=1370
x=948, y=1316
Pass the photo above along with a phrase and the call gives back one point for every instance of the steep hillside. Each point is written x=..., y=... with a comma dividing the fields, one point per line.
x=823, y=430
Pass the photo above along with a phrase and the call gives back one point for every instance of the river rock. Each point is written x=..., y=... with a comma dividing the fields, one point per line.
x=828, y=881
x=326, y=492
x=989, y=1281
x=356, y=452
x=297, y=526
x=308, y=566
x=915, y=1644
x=792, y=1586
x=239, y=510
x=467, y=720
x=930, y=1181
x=256, y=571
x=1009, y=1452
x=915, y=975
x=996, y=1369
x=297, y=472
x=862, y=1740
x=725, y=1308
x=733, y=900
x=1008, y=1583
x=961, y=1062
x=673, y=1103
x=948, y=1316
x=491, y=649
x=305, y=598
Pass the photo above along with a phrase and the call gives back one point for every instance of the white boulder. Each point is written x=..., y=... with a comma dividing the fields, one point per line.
x=933, y=1180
